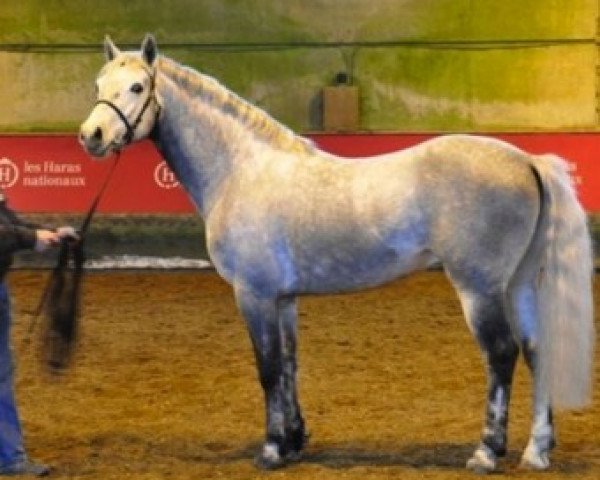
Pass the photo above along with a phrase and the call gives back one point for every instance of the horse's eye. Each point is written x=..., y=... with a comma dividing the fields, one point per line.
x=137, y=88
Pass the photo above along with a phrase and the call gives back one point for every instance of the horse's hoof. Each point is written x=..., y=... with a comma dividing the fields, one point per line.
x=293, y=456
x=295, y=445
x=296, y=454
x=269, y=458
x=483, y=461
x=539, y=464
x=534, y=460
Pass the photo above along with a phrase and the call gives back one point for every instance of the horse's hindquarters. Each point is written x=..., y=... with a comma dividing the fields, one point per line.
x=483, y=216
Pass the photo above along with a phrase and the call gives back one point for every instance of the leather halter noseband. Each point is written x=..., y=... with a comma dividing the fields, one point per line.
x=128, y=137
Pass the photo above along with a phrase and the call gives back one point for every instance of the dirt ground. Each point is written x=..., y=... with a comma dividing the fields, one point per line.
x=164, y=386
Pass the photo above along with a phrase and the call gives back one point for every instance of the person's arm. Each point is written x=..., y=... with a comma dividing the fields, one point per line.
x=16, y=237
x=12, y=216
x=21, y=235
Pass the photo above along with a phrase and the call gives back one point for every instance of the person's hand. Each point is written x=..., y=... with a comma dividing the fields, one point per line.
x=45, y=239
x=67, y=232
x=49, y=238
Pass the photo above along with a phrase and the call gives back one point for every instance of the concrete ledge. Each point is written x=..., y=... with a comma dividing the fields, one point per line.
x=156, y=236
x=144, y=235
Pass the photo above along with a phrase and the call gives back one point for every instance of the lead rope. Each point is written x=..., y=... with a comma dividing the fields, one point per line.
x=60, y=298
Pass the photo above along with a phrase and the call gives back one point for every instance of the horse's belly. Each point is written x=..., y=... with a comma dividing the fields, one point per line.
x=342, y=271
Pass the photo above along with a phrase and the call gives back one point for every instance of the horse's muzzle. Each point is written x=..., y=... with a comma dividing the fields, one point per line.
x=93, y=142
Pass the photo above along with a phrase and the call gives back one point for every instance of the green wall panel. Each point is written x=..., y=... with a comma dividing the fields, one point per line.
x=42, y=92
x=432, y=65
x=275, y=21
x=49, y=91
x=468, y=20
x=413, y=89
x=533, y=19
x=427, y=89
x=552, y=88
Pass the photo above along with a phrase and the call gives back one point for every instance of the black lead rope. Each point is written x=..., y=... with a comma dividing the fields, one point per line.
x=61, y=297
x=62, y=305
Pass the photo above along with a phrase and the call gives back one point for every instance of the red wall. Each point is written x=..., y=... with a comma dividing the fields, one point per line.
x=51, y=173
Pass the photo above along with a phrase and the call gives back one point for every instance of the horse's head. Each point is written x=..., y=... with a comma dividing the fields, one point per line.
x=126, y=108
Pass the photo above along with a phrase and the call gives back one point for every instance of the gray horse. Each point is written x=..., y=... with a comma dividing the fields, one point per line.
x=284, y=218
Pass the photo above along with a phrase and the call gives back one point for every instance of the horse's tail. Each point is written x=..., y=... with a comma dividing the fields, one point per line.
x=565, y=290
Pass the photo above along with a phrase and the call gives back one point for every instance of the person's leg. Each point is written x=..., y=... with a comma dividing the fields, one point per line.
x=11, y=439
x=13, y=460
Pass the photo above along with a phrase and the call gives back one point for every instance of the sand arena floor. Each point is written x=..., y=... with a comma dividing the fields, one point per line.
x=164, y=386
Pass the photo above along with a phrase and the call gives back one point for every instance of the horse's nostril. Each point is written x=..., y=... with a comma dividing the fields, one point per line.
x=97, y=134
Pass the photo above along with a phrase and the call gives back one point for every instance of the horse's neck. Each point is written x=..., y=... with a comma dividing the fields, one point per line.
x=206, y=132
x=199, y=150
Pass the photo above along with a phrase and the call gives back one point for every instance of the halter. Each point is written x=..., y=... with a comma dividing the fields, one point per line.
x=128, y=137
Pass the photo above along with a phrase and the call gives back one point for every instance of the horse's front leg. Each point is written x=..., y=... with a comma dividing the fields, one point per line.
x=271, y=346
x=295, y=434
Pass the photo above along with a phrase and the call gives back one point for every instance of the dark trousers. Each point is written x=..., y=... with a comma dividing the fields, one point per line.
x=11, y=438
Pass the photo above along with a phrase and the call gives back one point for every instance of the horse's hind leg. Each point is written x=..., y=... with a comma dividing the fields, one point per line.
x=487, y=320
x=523, y=301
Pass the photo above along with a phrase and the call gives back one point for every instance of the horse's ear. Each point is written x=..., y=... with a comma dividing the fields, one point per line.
x=110, y=50
x=149, y=49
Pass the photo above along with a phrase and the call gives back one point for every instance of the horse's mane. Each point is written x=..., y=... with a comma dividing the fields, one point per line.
x=258, y=121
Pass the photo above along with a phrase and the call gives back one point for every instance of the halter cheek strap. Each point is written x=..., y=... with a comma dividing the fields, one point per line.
x=132, y=126
x=130, y=129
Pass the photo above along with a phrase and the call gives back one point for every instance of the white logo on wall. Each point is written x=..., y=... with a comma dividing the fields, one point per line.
x=9, y=173
x=164, y=176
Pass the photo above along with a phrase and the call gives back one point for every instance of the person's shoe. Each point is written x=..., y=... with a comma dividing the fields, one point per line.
x=25, y=467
